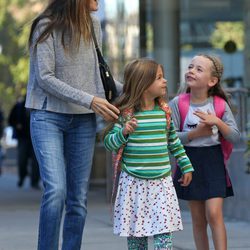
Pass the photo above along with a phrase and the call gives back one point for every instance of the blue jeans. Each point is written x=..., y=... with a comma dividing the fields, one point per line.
x=64, y=147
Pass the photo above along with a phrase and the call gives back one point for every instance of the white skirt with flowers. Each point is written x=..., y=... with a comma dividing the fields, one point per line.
x=146, y=207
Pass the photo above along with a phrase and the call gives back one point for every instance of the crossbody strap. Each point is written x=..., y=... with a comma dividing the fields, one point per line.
x=98, y=51
x=93, y=35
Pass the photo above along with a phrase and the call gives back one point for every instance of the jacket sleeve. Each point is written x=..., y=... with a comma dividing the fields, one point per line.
x=228, y=118
x=114, y=139
x=177, y=150
x=44, y=55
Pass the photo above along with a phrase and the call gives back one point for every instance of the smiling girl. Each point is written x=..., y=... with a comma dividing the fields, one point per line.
x=203, y=131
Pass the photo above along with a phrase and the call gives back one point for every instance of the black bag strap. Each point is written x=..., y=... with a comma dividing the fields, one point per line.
x=93, y=34
x=108, y=83
x=99, y=53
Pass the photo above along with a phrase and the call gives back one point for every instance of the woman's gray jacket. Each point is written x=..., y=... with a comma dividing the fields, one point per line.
x=61, y=81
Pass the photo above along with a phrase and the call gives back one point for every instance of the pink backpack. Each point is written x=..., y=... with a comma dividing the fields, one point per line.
x=219, y=107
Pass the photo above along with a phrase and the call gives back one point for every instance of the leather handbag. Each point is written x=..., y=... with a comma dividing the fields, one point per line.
x=106, y=76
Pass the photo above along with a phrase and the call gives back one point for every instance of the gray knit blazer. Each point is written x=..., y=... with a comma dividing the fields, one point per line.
x=63, y=82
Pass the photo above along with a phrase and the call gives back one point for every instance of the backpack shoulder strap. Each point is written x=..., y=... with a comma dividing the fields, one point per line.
x=219, y=106
x=165, y=107
x=183, y=106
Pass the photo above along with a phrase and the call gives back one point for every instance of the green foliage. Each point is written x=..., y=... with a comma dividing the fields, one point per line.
x=20, y=71
x=7, y=98
x=15, y=15
x=3, y=8
x=225, y=31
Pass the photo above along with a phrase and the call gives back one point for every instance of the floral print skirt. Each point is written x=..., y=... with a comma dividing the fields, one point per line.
x=145, y=207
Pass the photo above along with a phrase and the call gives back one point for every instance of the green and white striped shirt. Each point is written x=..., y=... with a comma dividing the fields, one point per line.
x=146, y=152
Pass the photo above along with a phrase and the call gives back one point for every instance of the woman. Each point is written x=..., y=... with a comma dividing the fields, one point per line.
x=64, y=93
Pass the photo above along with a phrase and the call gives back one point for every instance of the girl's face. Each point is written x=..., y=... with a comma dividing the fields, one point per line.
x=159, y=86
x=198, y=74
x=93, y=5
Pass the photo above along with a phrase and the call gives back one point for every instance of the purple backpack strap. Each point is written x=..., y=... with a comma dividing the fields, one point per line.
x=183, y=106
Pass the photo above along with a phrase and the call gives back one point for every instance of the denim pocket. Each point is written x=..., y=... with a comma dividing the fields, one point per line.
x=38, y=115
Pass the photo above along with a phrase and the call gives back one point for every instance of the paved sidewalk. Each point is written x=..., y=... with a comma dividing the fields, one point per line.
x=19, y=212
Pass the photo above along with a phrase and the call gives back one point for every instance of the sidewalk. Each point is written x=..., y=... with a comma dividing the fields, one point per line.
x=19, y=212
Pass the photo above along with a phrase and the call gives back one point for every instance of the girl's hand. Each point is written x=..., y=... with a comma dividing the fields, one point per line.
x=202, y=130
x=212, y=120
x=185, y=179
x=207, y=118
x=129, y=127
x=103, y=108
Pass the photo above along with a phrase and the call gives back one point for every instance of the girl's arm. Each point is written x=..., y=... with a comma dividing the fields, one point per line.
x=118, y=135
x=234, y=133
x=177, y=150
x=201, y=130
x=114, y=139
x=227, y=125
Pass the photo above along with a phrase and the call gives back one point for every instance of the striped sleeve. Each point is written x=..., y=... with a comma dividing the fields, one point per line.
x=177, y=150
x=114, y=139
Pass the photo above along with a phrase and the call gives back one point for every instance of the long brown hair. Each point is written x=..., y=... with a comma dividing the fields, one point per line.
x=216, y=71
x=68, y=16
x=139, y=74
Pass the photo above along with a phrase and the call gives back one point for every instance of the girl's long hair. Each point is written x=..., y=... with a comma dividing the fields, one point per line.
x=139, y=74
x=216, y=71
x=68, y=16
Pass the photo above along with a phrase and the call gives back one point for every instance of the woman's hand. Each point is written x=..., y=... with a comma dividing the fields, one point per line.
x=129, y=127
x=185, y=179
x=105, y=109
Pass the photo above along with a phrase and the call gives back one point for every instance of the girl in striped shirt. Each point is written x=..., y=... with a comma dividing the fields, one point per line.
x=146, y=202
